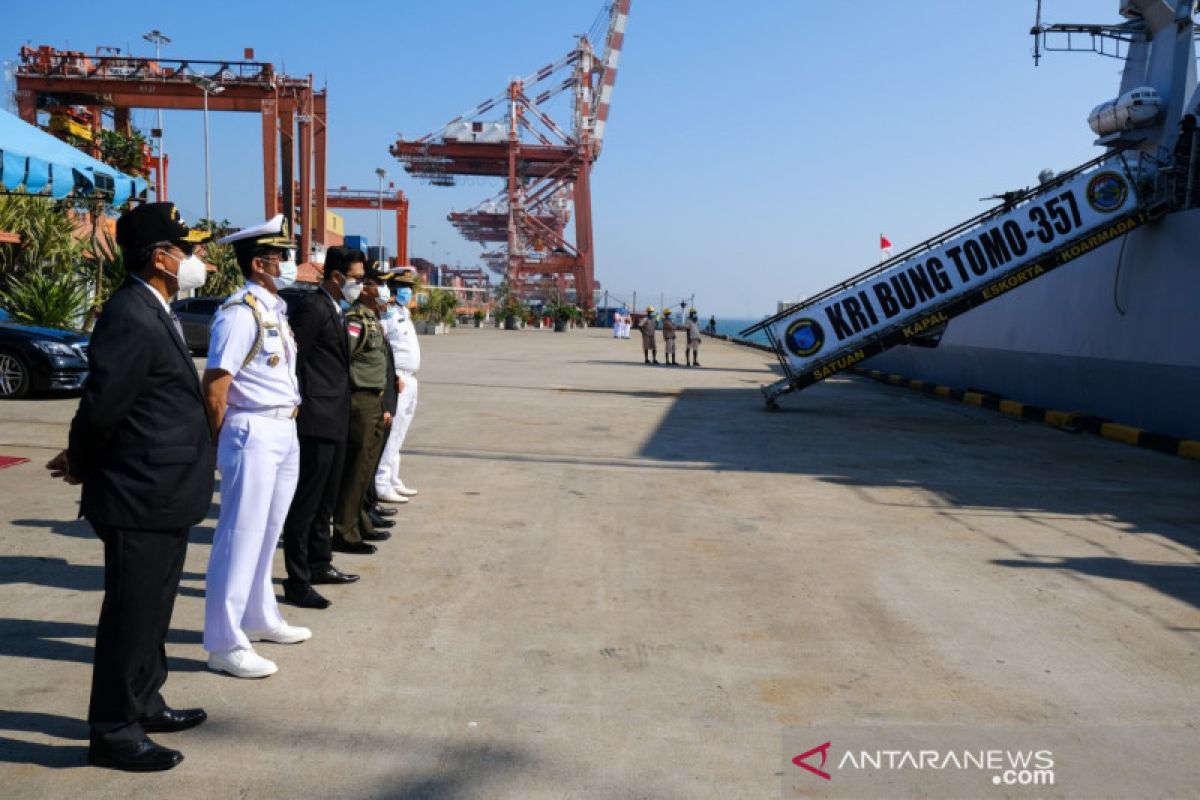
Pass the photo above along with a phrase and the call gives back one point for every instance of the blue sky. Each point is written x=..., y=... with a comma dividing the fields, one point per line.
x=754, y=152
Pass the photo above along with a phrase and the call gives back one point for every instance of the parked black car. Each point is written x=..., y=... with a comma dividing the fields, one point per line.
x=196, y=315
x=296, y=293
x=34, y=359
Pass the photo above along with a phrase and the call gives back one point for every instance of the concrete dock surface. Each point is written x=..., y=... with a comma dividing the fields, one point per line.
x=622, y=581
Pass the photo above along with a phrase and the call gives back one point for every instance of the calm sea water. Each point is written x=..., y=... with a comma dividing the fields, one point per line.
x=730, y=327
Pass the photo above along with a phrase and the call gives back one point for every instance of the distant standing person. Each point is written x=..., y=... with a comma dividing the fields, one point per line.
x=712, y=326
x=669, y=339
x=646, y=326
x=626, y=323
x=692, y=334
x=141, y=446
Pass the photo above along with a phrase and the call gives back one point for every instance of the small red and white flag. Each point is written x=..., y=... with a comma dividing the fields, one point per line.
x=885, y=247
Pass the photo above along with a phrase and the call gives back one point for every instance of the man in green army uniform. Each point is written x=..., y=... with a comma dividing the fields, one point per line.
x=369, y=375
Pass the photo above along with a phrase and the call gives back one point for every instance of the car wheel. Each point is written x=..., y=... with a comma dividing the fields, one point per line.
x=15, y=377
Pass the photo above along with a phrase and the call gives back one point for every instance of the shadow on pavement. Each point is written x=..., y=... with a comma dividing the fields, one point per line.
x=58, y=573
x=465, y=768
x=81, y=529
x=1180, y=581
x=54, y=756
x=30, y=638
x=854, y=433
x=76, y=528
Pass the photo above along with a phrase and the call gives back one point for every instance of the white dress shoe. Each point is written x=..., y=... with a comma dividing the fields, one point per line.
x=402, y=490
x=284, y=634
x=241, y=663
x=390, y=496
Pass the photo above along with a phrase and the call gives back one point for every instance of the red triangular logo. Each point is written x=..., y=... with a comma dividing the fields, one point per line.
x=823, y=749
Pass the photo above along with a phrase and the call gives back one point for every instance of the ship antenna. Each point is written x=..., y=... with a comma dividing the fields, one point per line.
x=1037, y=35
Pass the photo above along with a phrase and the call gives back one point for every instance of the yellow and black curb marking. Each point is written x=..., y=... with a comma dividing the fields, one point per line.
x=1067, y=420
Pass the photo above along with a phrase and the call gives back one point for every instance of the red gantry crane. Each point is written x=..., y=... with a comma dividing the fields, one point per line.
x=370, y=199
x=546, y=166
x=292, y=111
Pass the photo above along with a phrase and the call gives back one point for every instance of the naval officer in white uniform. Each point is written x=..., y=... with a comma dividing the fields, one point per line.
x=253, y=398
x=401, y=335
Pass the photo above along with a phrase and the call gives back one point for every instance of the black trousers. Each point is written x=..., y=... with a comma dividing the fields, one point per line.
x=306, y=543
x=141, y=579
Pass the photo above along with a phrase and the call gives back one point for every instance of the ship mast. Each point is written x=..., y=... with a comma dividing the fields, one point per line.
x=1156, y=43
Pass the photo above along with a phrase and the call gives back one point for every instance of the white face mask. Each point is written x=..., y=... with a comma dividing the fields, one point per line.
x=192, y=274
x=385, y=294
x=287, y=274
x=351, y=291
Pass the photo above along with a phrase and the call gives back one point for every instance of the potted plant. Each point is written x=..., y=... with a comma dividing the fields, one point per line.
x=440, y=314
x=508, y=307
x=479, y=316
x=433, y=314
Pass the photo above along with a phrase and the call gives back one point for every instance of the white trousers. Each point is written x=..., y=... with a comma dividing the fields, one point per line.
x=388, y=474
x=259, y=460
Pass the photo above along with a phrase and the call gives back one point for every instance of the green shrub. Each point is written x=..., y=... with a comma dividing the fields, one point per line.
x=47, y=234
x=48, y=297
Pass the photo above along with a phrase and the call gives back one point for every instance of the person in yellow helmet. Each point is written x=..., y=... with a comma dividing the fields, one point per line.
x=669, y=339
x=646, y=326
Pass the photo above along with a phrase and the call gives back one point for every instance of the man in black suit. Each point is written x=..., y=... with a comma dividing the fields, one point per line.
x=141, y=446
x=323, y=370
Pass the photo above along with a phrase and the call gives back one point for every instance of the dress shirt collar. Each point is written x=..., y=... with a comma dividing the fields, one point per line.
x=264, y=296
x=162, y=300
x=336, y=305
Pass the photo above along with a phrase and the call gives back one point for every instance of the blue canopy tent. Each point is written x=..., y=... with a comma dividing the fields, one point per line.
x=32, y=159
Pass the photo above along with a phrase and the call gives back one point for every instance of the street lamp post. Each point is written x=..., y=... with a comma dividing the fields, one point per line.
x=380, y=173
x=208, y=86
x=158, y=39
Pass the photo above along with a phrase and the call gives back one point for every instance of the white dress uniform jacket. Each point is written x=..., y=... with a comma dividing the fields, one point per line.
x=258, y=457
x=401, y=334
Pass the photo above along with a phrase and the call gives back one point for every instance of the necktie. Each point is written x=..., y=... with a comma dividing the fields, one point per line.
x=178, y=327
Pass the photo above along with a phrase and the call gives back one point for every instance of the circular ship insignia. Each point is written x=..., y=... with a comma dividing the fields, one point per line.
x=1107, y=192
x=804, y=337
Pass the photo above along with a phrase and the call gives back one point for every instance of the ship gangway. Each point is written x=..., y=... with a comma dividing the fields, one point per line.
x=910, y=298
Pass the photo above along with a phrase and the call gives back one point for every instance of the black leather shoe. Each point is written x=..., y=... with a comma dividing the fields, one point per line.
x=383, y=511
x=333, y=575
x=380, y=522
x=340, y=545
x=143, y=756
x=307, y=597
x=170, y=720
x=376, y=536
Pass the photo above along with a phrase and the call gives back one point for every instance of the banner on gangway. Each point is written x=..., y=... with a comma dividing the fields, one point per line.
x=989, y=259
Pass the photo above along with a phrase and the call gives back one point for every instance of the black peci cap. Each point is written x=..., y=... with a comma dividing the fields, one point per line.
x=155, y=223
